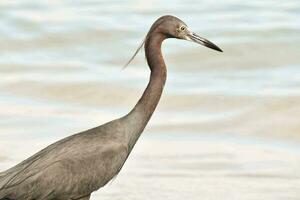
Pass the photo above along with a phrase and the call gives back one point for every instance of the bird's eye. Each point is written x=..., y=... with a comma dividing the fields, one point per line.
x=182, y=28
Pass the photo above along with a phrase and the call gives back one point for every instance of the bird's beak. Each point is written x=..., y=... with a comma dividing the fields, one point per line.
x=191, y=36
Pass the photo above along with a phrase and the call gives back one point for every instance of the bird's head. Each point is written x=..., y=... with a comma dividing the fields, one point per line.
x=172, y=27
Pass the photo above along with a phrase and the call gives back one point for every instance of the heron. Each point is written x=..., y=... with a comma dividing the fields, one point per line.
x=76, y=166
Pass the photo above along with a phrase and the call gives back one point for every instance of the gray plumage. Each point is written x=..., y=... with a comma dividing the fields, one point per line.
x=80, y=164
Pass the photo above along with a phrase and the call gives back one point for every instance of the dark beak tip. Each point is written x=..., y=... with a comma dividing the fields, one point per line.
x=214, y=47
x=194, y=37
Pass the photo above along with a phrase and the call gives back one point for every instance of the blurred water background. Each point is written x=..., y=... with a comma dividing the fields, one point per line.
x=227, y=126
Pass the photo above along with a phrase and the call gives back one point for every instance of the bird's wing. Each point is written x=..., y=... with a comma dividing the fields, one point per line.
x=65, y=163
x=16, y=175
x=12, y=176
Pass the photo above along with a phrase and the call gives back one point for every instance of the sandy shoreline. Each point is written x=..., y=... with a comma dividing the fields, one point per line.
x=264, y=116
x=2, y=158
x=240, y=56
x=198, y=165
x=227, y=126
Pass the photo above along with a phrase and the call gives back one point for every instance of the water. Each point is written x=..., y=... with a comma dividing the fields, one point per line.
x=234, y=130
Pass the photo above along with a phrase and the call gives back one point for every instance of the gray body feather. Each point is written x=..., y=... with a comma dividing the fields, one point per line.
x=77, y=165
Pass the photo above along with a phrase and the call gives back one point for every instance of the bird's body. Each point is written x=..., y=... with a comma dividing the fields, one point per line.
x=78, y=165
x=69, y=169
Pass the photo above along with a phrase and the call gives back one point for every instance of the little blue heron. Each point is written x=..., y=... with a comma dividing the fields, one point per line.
x=80, y=164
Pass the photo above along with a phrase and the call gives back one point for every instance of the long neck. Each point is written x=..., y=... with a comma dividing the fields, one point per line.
x=138, y=118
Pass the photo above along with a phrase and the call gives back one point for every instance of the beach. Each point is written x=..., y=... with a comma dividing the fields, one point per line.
x=227, y=125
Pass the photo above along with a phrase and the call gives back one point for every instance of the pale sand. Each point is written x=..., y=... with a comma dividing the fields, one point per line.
x=100, y=94
x=187, y=166
x=247, y=55
x=240, y=56
x=201, y=146
x=2, y=158
x=23, y=68
x=265, y=117
x=247, y=115
x=262, y=116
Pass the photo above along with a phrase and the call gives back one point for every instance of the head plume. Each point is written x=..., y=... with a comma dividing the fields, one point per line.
x=153, y=27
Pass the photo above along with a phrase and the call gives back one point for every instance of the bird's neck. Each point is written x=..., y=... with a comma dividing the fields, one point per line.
x=143, y=110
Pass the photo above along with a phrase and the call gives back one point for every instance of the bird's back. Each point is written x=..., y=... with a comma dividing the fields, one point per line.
x=77, y=165
x=15, y=176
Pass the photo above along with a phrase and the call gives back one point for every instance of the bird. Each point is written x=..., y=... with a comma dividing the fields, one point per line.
x=76, y=166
